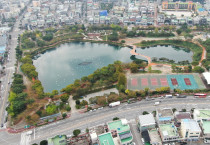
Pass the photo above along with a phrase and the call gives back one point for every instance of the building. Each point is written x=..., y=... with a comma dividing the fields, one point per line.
x=107, y=139
x=178, y=6
x=154, y=137
x=58, y=140
x=3, y=44
x=206, y=76
x=146, y=122
x=178, y=116
x=200, y=114
x=190, y=130
x=168, y=132
x=121, y=129
x=164, y=115
x=205, y=125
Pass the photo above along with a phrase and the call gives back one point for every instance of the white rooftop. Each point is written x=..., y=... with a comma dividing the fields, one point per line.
x=207, y=77
x=191, y=125
x=146, y=120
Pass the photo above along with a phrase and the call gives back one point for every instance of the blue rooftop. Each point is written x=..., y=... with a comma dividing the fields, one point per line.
x=201, y=9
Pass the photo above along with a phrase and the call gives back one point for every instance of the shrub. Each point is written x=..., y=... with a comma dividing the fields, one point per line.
x=122, y=41
x=145, y=112
x=44, y=142
x=76, y=132
x=115, y=118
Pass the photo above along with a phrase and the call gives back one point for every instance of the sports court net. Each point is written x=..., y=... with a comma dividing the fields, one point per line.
x=154, y=81
x=187, y=81
x=174, y=81
x=144, y=82
x=134, y=82
x=163, y=81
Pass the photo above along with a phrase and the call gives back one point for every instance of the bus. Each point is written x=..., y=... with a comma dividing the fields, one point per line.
x=200, y=95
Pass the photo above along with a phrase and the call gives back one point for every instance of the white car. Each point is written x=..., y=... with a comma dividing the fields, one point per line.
x=29, y=132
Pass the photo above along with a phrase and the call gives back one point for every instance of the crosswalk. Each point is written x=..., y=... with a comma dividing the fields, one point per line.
x=25, y=139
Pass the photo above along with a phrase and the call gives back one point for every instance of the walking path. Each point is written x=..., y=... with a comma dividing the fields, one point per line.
x=133, y=52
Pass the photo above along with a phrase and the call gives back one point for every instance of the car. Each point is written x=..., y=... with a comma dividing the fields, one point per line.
x=29, y=132
x=94, y=109
x=142, y=139
x=100, y=108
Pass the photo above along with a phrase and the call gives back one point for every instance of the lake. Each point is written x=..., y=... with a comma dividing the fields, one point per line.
x=167, y=51
x=60, y=66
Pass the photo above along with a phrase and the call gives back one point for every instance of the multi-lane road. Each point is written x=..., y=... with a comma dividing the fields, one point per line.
x=9, y=70
x=86, y=120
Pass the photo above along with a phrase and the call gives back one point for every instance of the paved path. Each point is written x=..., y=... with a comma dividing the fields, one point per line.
x=133, y=52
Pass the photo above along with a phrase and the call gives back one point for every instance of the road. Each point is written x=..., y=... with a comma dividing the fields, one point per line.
x=83, y=121
x=9, y=70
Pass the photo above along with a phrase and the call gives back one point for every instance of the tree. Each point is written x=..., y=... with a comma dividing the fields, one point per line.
x=51, y=109
x=121, y=80
x=26, y=59
x=154, y=113
x=64, y=115
x=184, y=110
x=76, y=132
x=178, y=31
x=145, y=112
x=40, y=43
x=156, y=30
x=198, y=69
x=149, y=69
x=64, y=98
x=68, y=108
x=84, y=102
x=77, y=102
x=122, y=41
x=174, y=110
x=115, y=118
x=113, y=36
x=44, y=142
x=101, y=100
x=134, y=67
x=146, y=90
x=48, y=37
x=54, y=92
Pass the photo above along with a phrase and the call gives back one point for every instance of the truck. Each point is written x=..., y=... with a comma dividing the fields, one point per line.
x=114, y=104
x=156, y=103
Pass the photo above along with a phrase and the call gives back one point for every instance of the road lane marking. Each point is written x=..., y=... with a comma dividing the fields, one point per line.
x=2, y=108
x=110, y=115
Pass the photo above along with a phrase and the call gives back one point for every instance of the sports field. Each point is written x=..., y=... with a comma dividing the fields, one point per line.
x=174, y=81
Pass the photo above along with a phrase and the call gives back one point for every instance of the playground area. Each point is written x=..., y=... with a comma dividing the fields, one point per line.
x=174, y=81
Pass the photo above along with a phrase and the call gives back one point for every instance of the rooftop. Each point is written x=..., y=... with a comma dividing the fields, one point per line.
x=106, y=139
x=118, y=125
x=165, y=112
x=168, y=130
x=182, y=115
x=146, y=120
x=154, y=136
x=191, y=125
x=204, y=114
x=206, y=127
x=57, y=140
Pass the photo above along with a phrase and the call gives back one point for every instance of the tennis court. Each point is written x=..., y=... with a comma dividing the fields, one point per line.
x=174, y=81
x=141, y=82
x=182, y=82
